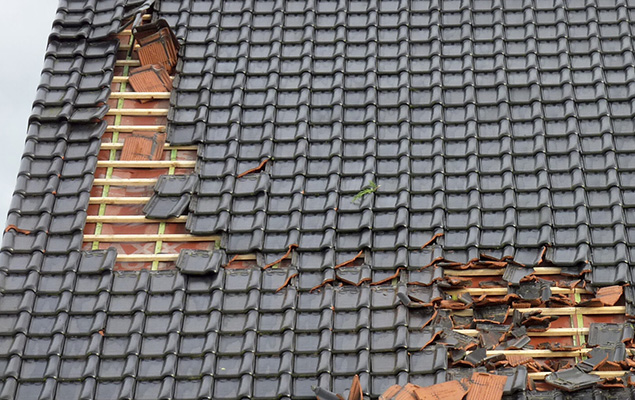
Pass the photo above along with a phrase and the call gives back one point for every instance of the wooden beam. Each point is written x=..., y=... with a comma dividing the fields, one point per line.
x=121, y=79
x=539, y=376
x=135, y=128
x=127, y=46
x=496, y=272
x=147, y=164
x=127, y=63
x=146, y=257
x=152, y=112
x=176, y=237
x=124, y=182
x=119, y=200
x=503, y=291
x=540, y=353
x=119, y=146
x=608, y=310
x=141, y=95
x=551, y=332
x=131, y=219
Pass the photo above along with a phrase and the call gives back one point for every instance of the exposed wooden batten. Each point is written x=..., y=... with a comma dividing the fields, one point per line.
x=609, y=310
x=119, y=146
x=548, y=333
x=176, y=237
x=135, y=128
x=121, y=79
x=152, y=112
x=124, y=182
x=131, y=219
x=119, y=200
x=146, y=164
x=503, y=291
x=141, y=95
x=127, y=63
x=497, y=272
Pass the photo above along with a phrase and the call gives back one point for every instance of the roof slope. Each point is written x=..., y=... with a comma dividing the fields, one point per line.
x=358, y=142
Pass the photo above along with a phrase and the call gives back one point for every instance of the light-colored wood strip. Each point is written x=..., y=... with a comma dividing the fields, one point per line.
x=128, y=63
x=135, y=128
x=539, y=376
x=540, y=353
x=503, y=291
x=131, y=219
x=124, y=182
x=119, y=200
x=548, y=333
x=119, y=146
x=146, y=257
x=609, y=310
x=147, y=164
x=121, y=79
x=152, y=112
x=168, y=257
x=127, y=46
x=141, y=95
x=124, y=238
x=496, y=272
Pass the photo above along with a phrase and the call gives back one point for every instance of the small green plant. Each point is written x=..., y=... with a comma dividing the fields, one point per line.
x=371, y=188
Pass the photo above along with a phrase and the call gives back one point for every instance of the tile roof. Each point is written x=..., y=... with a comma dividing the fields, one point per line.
x=387, y=162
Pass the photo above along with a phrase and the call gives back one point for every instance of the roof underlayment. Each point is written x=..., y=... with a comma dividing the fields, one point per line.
x=420, y=199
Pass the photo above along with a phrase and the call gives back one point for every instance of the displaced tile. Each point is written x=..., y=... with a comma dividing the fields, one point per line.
x=486, y=386
x=602, y=334
x=143, y=146
x=571, y=379
x=452, y=390
x=158, y=44
x=176, y=185
x=163, y=207
x=150, y=78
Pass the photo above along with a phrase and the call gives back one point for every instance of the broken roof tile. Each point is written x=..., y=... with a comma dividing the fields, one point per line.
x=571, y=379
x=602, y=334
x=486, y=386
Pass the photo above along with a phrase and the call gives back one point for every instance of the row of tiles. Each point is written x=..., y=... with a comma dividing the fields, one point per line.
x=540, y=131
x=520, y=98
x=360, y=116
x=286, y=387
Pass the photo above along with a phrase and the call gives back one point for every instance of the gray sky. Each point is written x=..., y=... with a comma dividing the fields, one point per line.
x=24, y=30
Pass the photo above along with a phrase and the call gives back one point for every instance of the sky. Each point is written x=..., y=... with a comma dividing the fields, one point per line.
x=24, y=30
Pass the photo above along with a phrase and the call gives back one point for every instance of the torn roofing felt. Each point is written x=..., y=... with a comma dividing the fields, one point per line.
x=349, y=144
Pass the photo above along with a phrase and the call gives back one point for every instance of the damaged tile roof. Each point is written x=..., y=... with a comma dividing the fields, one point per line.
x=405, y=198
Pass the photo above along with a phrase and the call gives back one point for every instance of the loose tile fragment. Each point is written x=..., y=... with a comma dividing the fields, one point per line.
x=452, y=390
x=486, y=386
x=571, y=379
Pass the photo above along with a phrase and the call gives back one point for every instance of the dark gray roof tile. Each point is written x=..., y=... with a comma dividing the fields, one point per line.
x=197, y=262
x=163, y=207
